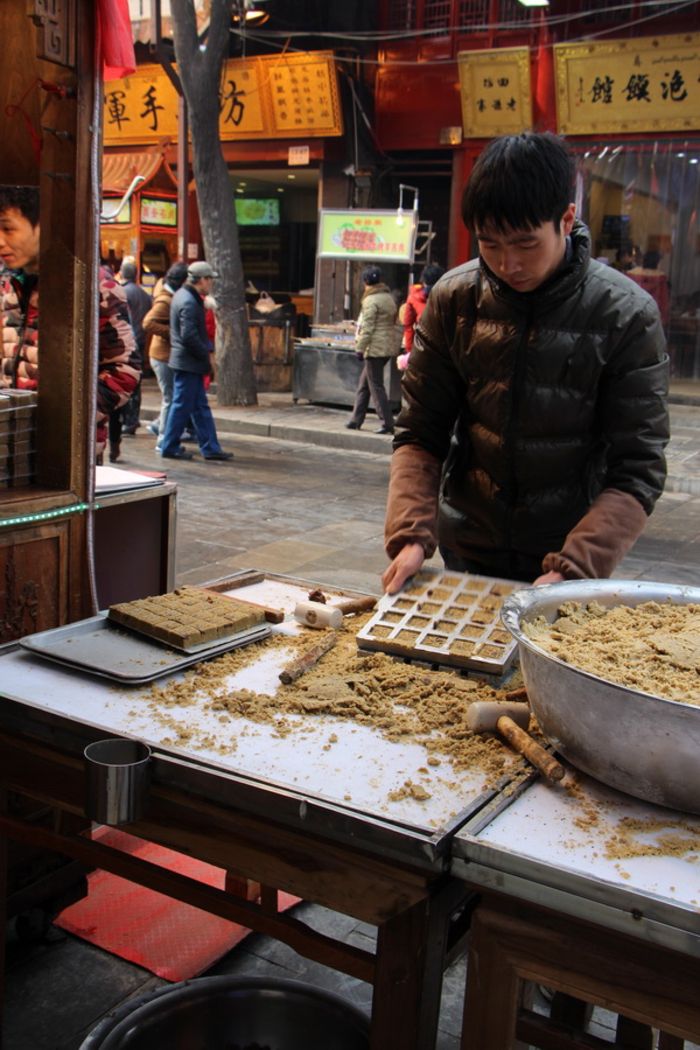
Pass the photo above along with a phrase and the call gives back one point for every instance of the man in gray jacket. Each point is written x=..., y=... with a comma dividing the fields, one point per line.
x=190, y=361
x=534, y=419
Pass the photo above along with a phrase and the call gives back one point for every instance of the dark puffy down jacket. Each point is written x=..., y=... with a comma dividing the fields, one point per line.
x=535, y=402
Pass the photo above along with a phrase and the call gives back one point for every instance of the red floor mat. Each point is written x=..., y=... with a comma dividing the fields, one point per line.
x=173, y=940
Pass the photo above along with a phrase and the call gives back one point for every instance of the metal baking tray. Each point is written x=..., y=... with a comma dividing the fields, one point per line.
x=445, y=617
x=101, y=648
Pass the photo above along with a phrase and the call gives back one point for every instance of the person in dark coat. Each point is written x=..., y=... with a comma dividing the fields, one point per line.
x=190, y=361
x=531, y=440
x=139, y=302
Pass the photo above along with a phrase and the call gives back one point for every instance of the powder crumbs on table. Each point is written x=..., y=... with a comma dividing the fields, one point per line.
x=402, y=701
x=671, y=839
x=409, y=790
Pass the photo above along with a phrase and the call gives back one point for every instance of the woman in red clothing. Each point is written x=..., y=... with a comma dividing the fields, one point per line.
x=410, y=312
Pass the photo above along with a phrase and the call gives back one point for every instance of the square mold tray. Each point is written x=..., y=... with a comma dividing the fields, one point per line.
x=445, y=617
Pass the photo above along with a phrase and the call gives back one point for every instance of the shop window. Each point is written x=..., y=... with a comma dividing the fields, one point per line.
x=436, y=14
x=402, y=14
x=473, y=13
x=513, y=13
x=641, y=202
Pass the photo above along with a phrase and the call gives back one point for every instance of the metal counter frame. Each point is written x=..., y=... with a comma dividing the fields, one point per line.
x=625, y=935
x=392, y=876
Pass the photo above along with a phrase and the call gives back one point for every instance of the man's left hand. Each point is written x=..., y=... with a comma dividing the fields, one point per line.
x=548, y=577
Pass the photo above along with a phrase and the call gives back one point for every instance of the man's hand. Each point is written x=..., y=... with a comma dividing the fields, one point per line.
x=406, y=563
x=549, y=577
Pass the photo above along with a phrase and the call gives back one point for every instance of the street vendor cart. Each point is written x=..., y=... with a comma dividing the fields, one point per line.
x=329, y=816
x=326, y=370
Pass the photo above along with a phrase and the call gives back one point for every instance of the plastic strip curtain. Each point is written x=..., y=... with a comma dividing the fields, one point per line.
x=641, y=201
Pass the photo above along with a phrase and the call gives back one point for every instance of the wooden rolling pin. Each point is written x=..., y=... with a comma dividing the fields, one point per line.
x=314, y=614
x=511, y=720
x=356, y=605
x=309, y=659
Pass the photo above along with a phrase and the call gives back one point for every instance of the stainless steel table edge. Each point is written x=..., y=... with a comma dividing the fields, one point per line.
x=383, y=837
x=278, y=802
x=240, y=575
x=594, y=900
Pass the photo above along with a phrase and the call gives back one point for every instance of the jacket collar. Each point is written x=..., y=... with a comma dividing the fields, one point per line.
x=563, y=282
x=372, y=289
x=193, y=291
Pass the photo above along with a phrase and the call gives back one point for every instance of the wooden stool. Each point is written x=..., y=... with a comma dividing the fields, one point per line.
x=513, y=942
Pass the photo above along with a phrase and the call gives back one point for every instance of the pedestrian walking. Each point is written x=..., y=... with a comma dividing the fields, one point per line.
x=190, y=361
x=411, y=311
x=139, y=302
x=156, y=324
x=378, y=340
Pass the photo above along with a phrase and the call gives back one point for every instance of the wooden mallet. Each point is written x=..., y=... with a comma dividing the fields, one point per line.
x=511, y=721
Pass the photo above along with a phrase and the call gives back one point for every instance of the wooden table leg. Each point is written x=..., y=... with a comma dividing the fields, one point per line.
x=409, y=963
x=3, y=911
x=512, y=942
x=492, y=995
x=240, y=886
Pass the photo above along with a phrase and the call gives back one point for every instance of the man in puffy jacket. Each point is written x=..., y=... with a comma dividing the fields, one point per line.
x=190, y=362
x=530, y=443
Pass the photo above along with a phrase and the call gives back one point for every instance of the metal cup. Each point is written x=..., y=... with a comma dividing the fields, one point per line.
x=118, y=774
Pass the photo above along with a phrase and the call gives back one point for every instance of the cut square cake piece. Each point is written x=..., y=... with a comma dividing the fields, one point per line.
x=187, y=617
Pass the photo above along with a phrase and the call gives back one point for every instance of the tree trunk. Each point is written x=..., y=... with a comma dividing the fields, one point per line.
x=199, y=69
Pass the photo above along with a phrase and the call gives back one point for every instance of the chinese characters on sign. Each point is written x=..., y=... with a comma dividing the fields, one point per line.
x=301, y=95
x=155, y=212
x=354, y=234
x=648, y=84
x=495, y=90
x=259, y=98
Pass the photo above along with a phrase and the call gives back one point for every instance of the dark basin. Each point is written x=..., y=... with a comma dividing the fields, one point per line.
x=229, y=1013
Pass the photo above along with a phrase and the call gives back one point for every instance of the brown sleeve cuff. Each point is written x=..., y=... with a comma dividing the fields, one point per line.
x=411, y=512
x=601, y=539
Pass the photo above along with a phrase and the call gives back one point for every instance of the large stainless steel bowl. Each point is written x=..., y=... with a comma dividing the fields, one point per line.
x=631, y=740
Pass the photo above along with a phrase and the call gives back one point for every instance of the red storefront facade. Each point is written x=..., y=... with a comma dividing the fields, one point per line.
x=636, y=187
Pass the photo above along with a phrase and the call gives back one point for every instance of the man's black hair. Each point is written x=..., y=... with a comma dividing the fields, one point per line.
x=371, y=274
x=175, y=277
x=519, y=182
x=24, y=198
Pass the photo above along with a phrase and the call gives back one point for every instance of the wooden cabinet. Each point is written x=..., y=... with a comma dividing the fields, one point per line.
x=272, y=348
x=50, y=110
x=49, y=103
x=135, y=544
x=34, y=573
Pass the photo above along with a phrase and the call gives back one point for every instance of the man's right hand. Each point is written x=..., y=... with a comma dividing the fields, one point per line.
x=406, y=563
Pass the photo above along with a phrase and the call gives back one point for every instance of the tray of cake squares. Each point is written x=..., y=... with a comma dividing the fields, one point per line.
x=445, y=617
x=142, y=640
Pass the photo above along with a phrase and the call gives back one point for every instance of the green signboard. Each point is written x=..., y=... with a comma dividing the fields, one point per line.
x=379, y=236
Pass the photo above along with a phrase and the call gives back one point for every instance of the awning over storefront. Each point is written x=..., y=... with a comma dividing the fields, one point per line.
x=146, y=225
x=118, y=169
